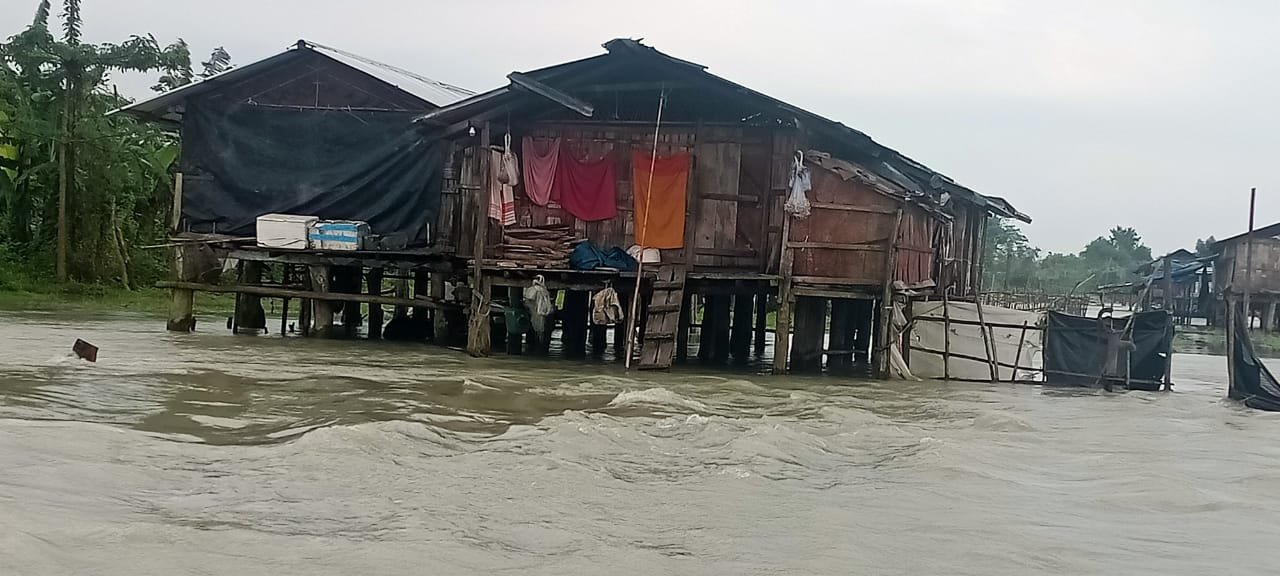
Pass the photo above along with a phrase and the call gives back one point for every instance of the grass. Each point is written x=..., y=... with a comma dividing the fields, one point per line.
x=96, y=298
x=1201, y=340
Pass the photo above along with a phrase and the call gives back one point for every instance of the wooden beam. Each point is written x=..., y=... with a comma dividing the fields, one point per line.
x=526, y=82
x=321, y=301
x=322, y=295
x=851, y=208
x=741, y=198
x=478, y=323
x=838, y=246
x=886, y=300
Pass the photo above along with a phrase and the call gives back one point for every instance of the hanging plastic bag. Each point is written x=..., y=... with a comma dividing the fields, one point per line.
x=538, y=301
x=509, y=170
x=606, y=309
x=797, y=203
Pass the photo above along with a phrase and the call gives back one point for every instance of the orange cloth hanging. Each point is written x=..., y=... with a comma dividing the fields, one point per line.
x=663, y=225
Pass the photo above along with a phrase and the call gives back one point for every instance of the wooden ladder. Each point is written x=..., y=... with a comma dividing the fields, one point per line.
x=663, y=319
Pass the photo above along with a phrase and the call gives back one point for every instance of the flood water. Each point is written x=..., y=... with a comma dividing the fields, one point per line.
x=214, y=454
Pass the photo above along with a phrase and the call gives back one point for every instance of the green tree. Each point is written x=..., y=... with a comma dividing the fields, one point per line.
x=1114, y=258
x=1009, y=259
x=1204, y=247
x=77, y=177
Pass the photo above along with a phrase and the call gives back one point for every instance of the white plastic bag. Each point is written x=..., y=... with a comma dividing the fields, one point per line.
x=538, y=302
x=797, y=203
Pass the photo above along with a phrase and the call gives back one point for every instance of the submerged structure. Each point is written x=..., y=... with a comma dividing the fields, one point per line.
x=502, y=221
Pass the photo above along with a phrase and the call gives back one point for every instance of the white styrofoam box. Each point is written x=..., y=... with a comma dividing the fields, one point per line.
x=284, y=230
x=338, y=235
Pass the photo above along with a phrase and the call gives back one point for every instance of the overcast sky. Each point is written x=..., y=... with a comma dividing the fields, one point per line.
x=1085, y=114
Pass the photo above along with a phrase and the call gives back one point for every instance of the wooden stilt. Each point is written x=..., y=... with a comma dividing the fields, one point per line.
x=182, y=317
x=478, y=322
x=284, y=316
x=863, y=322
x=946, y=336
x=720, y=313
x=478, y=336
x=498, y=323
x=515, y=341
x=740, y=341
x=707, y=329
x=351, y=313
x=762, y=323
x=599, y=340
x=782, y=328
x=374, y=281
x=321, y=310
x=620, y=329
x=249, y=315
x=810, y=318
x=682, y=328
x=401, y=291
x=886, y=299
x=574, y=323
x=839, y=344
x=439, y=319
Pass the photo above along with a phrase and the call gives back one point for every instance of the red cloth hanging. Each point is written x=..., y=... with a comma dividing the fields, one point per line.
x=588, y=190
x=660, y=219
x=540, y=160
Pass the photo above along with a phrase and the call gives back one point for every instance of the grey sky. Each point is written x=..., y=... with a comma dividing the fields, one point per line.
x=1157, y=114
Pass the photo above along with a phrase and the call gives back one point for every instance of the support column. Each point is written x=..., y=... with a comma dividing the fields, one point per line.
x=762, y=322
x=574, y=323
x=439, y=317
x=321, y=310
x=250, y=318
x=782, y=329
x=374, y=287
x=350, y=281
x=682, y=327
x=740, y=340
x=811, y=317
x=182, y=317
x=840, y=343
x=515, y=341
x=863, y=324
x=620, y=329
x=478, y=336
x=1269, y=319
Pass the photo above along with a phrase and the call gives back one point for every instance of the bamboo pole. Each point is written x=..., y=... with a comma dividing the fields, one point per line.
x=1248, y=261
x=946, y=336
x=643, y=228
x=886, y=298
x=1017, y=358
x=987, y=345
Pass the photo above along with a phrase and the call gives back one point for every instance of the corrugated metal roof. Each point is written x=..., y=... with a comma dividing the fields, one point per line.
x=884, y=161
x=433, y=91
x=167, y=106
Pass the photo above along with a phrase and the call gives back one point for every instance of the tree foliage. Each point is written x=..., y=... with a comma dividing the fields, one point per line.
x=1012, y=263
x=80, y=190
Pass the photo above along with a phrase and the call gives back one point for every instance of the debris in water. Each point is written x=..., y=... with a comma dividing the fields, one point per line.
x=85, y=350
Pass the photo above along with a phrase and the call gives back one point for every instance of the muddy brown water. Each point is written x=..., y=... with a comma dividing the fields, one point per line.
x=213, y=454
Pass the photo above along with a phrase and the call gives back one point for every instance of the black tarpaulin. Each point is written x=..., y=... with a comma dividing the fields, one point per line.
x=1075, y=347
x=1251, y=381
x=241, y=161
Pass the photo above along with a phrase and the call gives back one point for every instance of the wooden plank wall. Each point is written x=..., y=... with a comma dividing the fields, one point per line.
x=1266, y=266
x=783, y=147
x=734, y=180
x=843, y=239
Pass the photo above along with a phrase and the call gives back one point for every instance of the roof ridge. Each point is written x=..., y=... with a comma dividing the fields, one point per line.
x=442, y=85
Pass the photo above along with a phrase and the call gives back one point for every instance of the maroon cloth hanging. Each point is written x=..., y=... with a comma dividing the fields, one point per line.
x=541, y=157
x=588, y=190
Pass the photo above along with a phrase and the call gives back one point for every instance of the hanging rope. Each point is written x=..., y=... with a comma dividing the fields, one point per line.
x=643, y=230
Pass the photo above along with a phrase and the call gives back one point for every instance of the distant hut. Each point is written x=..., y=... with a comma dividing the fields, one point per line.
x=1231, y=269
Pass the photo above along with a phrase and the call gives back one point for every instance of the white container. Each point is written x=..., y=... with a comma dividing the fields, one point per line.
x=338, y=235
x=284, y=230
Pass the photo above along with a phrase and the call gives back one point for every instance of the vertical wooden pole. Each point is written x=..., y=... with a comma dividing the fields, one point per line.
x=401, y=287
x=421, y=291
x=740, y=341
x=620, y=335
x=1269, y=319
x=882, y=345
x=351, y=313
x=574, y=323
x=839, y=345
x=175, y=219
x=782, y=324
x=182, y=317
x=1231, y=342
x=682, y=326
x=478, y=329
x=515, y=341
x=439, y=317
x=1017, y=358
x=497, y=325
x=987, y=344
x=1248, y=260
x=762, y=322
x=946, y=336
x=720, y=312
x=810, y=326
x=1167, y=287
x=374, y=281
x=321, y=310
x=249, y=317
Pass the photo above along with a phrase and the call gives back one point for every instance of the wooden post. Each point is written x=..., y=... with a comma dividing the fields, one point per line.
x=946, y=336
x=863, y=324
x=1248, y=260
x=782, y=324
x=811, y=316
x=740, y=341
x=720, y=336
x=599, y=340
x=374, y=281
x=182, y=317
x=987, y=345
x=840, y=345
x=321, y=310
x=351, y=316
x=421, y=289
x=1017, y=358
x=249, y=316
x=401, y=287
x=175, y=219
x=886, y=299
x=497, y=324
x=762, y=322
x=682, y=326
x=1231, y=350
x=620, y=335
x=439, y=318
x=478, y=329
x=515, y=341
x=1167, y=287
x=1269, y=319
x=574, y=323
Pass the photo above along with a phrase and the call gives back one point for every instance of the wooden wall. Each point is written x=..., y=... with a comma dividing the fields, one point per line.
x=961, y=253
x=1231, y=266
x=843, y=240
x=734, y=186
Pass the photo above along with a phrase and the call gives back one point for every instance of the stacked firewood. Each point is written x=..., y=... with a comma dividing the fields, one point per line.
x=542, y=246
